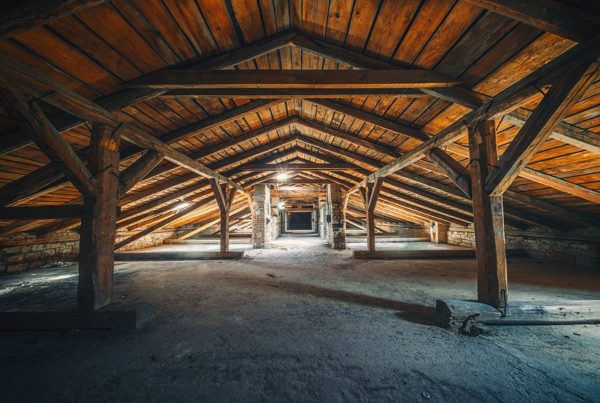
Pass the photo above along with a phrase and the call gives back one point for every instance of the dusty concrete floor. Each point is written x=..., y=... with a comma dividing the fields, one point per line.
x=300, y=322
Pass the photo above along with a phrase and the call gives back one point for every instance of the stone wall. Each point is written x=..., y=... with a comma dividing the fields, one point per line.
x=579, y=247
x=23, y=251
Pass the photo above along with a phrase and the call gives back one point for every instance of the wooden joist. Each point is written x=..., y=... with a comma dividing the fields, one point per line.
x=452, y=313
x=561, y=184
x=23, y=15
x=569, y=134
x=462, y=96
x=428, y=254
x=278, y=93
x=297, y=167
x=293, y=79
x=174, y=256
x=506, y=101
x=550, y=15
x=138, y=170
x=48, y=139
x=554, y=106
x=41, y=212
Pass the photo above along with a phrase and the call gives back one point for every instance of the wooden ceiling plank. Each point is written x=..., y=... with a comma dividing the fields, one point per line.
x=554, y=106
x=506, y=101
x=549, y=15
x=33, y=13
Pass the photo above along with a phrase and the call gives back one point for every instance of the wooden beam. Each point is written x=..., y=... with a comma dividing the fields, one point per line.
x=41, y=212
x=488, y=218
x=48, y=139
x=562, y=185
x=569, y=134
x=554, y=106
x=278, y=93
x=452, y=168
x=224, y=199
x=98, y=225
x=297, y=167
x=23, y=15
x=127, y=97
x=138, y=171
x=462, y=96
x=550, y=15
x=506, y=101
x=293, y=79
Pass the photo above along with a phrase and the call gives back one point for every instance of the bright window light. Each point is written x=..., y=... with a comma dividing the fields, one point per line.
x=282, y=176
x=181, y=205
x=281, y=205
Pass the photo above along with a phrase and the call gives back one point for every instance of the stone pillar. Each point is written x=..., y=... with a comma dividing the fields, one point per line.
x=439, y=232
x=336, y=234
x=260, y=215
x=322, y=217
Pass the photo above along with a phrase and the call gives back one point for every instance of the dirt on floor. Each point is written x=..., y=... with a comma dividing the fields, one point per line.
x=299, y=322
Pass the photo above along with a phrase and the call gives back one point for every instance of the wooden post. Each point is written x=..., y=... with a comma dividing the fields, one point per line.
x=224, y=201
x=98, y=225
x=488, y=218
x=370, y=195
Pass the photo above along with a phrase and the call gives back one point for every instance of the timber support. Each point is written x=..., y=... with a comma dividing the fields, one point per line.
x=488, y=218
x=98, y=225
x=224, y=198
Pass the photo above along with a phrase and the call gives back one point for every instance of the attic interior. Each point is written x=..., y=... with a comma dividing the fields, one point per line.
x=300, y=200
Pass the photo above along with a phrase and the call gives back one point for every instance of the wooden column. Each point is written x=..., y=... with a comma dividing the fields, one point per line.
x=370, y=195
x=224, y=199
x=488, y=218
x=336, y=231
x=98, y=225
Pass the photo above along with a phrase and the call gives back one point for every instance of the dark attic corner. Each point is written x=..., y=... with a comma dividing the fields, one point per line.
x=300, y=200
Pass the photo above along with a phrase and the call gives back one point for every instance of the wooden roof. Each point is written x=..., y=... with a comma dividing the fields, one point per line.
x=99, y=48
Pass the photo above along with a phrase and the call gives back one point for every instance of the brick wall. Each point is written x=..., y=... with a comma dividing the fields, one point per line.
x=579, y=247
x=23, y=251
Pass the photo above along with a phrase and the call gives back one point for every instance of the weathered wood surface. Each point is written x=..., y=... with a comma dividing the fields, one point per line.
x=305, y=79
x=41, y=212
x=427, y=254
x=488, y=217
x=173, y=256
x=451, y=312
x=98, y=224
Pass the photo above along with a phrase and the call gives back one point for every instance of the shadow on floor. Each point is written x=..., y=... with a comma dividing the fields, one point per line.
x=411, y=312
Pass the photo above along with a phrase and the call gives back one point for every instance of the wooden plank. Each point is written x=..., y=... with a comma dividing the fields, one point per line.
x=451, y=312
x=462, y=96
x=297, y=167
x=488, y=218
x=127, y=97
x=254, y=79
x=175, y=256
x=428, y=254
x=569, y=134
x=98, y=225
x=550, y=15
x=21, y=16
x=138, y=171
x=509, y=99
x=554, y=106
x=561, y=184
x=48, y=139
x=41, y=212
x=451, y=167
x=278, y=93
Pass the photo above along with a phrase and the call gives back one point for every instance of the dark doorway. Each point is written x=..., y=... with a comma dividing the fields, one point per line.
x=300, y=221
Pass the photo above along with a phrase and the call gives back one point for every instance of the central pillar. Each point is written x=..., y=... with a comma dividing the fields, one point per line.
x=260, y=215
x=336, y=234
x=98, y=225
x=488, y=218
